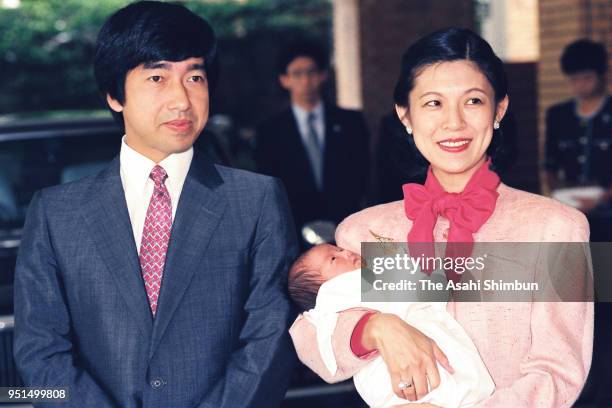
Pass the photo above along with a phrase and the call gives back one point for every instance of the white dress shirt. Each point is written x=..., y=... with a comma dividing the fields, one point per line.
x=301, y=116
x=138, y=186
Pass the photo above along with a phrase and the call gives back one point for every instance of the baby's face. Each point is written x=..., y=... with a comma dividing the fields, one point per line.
x=332, y=261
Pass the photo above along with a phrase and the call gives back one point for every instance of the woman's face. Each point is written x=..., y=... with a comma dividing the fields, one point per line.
x=451, y=112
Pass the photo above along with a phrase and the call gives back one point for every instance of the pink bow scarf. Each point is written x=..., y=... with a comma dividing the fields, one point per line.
x=466, y=212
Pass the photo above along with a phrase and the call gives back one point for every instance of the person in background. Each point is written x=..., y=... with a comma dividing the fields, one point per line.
x=579, y=131
x=317, y=149
x=579, y=161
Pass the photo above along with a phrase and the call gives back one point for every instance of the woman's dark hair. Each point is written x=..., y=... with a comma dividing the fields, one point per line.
x=453, y=44
x=584, y=55
x=149, y=31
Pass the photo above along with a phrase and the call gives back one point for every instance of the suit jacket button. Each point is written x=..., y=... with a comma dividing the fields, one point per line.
x=157, y=383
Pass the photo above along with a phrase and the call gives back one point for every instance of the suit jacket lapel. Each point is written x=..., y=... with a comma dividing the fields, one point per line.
x=199, y=211
x=107, y=216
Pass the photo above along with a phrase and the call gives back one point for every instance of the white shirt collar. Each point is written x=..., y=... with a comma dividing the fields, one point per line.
x=135, y=169
x=302, y=114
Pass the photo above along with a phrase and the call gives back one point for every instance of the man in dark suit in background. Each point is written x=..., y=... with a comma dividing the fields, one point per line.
x=318, y=150
x=159, y=282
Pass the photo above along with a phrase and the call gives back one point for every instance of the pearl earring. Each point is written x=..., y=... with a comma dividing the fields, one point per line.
x=496, y=125
x=409, y=130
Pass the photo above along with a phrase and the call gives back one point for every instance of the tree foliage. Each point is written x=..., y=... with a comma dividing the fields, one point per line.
x=46, y=46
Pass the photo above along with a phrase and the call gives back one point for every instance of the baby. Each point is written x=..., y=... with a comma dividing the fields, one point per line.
x=327, y=279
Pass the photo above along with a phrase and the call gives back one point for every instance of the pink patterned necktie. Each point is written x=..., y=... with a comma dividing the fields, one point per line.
x=155, y=236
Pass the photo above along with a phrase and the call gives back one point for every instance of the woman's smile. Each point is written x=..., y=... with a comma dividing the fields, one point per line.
x=454, y=145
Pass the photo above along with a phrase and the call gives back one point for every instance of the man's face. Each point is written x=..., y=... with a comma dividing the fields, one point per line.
x=303, y=80
x=586, y=84
x=165, y=108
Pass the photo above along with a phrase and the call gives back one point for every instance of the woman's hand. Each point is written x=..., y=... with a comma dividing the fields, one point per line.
x=409, y=354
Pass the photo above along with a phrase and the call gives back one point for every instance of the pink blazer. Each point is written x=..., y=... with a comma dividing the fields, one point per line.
x=538, y=354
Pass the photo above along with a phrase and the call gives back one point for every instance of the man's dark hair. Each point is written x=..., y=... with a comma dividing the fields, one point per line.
x=302, y=48
x=584, y=55
x=149, y=31
x=457, y=44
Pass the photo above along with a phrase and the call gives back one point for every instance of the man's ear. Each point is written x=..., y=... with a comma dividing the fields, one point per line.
x=403, y=115
x=502, y=108
x=283, y=79
x=114, y=104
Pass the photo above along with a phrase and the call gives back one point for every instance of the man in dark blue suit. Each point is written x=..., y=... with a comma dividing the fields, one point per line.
x=159, y=282
x=317, y=149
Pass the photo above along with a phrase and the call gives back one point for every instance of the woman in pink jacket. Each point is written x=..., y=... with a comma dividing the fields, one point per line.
x=451, y=96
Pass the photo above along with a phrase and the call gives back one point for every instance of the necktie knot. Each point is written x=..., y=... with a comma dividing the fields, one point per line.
x=311, y=118
x=158, y=175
